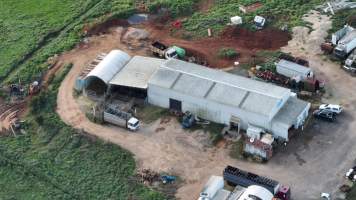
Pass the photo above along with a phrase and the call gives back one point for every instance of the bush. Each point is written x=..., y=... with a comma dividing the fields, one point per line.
x=177, y=8
x=228, y=53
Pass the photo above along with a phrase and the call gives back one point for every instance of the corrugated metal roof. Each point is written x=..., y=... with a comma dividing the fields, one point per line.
x=218, y=86
x=191, y=88
x=348, y=37
x=290, y=111
x=227, y=95
x=260, y=103
x=137, y=72
x=110, y=65
x=293, y=66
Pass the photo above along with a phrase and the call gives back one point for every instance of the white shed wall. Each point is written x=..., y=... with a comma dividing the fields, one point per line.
x=279, y=105
x=280, y=130
x=209, y=110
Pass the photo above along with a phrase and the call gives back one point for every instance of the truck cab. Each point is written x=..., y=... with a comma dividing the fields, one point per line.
x=133, y=124
x=171, y=53
x=350, y=62
x=259, y=22
x=339, y=51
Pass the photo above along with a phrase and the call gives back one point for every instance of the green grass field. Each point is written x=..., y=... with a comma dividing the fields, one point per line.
x=54, y=161
x=33, y=30
x=277, y=12
x=24, y=24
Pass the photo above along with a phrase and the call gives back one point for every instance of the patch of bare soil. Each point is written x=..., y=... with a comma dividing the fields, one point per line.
x=104, y=27
x=9, y=115
x=246, y=42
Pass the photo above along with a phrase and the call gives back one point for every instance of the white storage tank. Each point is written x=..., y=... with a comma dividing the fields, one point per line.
x=210, y=189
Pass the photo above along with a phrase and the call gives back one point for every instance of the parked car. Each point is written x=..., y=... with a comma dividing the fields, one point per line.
x=351, y=174
x=325, y=196
x=331, y=107
x=325, y=115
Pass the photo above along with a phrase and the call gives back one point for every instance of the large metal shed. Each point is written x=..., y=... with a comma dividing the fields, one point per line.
x=216, y=95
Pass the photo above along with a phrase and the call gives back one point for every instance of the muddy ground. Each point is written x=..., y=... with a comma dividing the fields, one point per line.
x=313, y=162
x=245, y=42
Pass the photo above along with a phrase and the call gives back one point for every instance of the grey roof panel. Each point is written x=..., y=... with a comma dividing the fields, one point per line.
x=227, y=94
x=348, y=37
x=290, y=111
x=192, y=85
x=226, y=78
x=164, y=78
x=137, y=72
x=259, y=103
x=293, y=66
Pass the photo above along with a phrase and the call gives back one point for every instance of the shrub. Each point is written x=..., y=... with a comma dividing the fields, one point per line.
x=227, y=53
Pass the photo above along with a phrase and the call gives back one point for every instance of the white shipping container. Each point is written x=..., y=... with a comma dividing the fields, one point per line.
x=291, y=69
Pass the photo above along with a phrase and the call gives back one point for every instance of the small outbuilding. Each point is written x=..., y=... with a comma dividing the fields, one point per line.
x=293, y=70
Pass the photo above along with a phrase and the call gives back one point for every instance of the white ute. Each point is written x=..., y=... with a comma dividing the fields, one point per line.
x=337, y=109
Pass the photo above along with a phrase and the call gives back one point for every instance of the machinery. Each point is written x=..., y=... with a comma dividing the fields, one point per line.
x=34, y=88
x=235, y=176
x=188, y=120
x=121, y=118
x=345, y=41
x=259, y=22
x=350, y=63
x=163, y=51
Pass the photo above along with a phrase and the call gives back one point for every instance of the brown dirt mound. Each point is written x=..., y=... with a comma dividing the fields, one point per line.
x=103, y=28
x=266, y=39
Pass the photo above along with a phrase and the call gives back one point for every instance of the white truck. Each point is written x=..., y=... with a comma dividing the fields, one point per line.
x=345, y=41
x=210, y=189
x=350, y=63
x=122, y=119
x=259, y=22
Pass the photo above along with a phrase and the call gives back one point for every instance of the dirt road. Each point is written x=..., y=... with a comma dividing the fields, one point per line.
x=313, y=162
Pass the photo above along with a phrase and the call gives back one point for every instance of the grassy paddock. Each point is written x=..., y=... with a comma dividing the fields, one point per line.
x=54, y=161
x=277, y=12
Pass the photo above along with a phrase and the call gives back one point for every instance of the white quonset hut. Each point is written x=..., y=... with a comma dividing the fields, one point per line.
x=226, y=98
x=100, y=76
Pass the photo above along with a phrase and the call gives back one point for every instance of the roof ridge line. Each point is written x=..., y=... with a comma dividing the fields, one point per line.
x=221, y=82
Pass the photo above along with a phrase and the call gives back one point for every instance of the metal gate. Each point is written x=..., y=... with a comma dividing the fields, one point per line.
x=175, y=105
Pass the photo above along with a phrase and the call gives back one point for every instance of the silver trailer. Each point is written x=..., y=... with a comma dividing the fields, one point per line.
x=292, y=70
x=350, y=63
x=346, y=44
